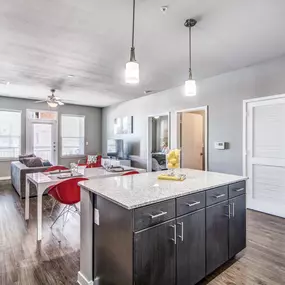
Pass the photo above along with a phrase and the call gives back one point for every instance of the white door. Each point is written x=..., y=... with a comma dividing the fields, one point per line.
x=43, y=141
x=265, y=142
x=192, y=138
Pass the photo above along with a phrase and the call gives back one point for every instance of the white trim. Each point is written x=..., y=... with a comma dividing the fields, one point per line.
x=5, y=178
x=149, y=137
x=266, y=98
x=81, y=280
x=205, y=109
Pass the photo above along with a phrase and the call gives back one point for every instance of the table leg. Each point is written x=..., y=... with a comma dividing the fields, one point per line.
x=41, y=190
x=27, y=199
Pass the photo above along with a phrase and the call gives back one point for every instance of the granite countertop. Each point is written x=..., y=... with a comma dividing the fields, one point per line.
x=144, y=189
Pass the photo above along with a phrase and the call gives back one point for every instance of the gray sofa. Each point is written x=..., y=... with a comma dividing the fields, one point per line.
x=18, y=177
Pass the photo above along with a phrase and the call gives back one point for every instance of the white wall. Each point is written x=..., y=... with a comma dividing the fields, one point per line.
x=223, y=94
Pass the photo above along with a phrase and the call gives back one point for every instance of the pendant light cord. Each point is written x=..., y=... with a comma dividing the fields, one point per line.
x=132, y=56
x=190, y=53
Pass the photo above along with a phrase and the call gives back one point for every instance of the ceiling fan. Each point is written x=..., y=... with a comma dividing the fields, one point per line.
x=52, y=100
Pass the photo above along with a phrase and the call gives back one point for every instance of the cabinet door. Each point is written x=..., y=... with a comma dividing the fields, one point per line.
x=191, y=259
x=155, y=255
x=237, y=227
x=217, y=237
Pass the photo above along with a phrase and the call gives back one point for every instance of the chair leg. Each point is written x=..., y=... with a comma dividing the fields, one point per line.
x=61, y=213
x=54, y=202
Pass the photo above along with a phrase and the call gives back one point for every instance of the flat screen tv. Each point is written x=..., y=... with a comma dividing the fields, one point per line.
x=115, y=148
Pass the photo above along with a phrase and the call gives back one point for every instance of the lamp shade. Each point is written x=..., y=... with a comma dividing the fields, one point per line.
x=52, y=104
x=132, y=72
x=190, y=87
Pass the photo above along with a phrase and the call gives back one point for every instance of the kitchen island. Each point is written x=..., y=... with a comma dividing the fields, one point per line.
x=144, y=231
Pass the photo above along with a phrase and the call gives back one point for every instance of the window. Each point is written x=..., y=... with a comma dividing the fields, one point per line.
x=10, y=134
x=72, y=135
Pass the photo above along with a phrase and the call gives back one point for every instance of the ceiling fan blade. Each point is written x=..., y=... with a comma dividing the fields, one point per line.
x=40, y=101
x=60, y=103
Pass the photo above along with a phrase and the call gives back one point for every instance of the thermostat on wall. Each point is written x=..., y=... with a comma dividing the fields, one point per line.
x=220, y=145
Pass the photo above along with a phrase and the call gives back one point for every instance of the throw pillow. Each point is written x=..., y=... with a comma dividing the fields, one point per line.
x=21, y=157
x=91, y=159
x=46, y=163
x=33, y=162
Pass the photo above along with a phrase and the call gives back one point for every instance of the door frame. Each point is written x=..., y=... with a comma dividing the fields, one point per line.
x=244, y=129
x=202, y=108
x=29, y=130
x=149, y=137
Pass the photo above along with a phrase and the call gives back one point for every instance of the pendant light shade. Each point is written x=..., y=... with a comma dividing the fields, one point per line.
x=190, y=87
x=132, y=74
x=190, y=84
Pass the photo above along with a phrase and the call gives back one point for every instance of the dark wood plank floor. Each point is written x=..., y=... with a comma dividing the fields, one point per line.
x=23, y=261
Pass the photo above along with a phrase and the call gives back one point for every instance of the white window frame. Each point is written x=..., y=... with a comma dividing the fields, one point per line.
x=20, y=145
x=61, y=144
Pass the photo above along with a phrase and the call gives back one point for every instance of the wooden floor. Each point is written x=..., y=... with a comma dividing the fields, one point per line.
x=23, y=261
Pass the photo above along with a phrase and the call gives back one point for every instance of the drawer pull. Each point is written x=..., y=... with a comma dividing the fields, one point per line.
x=157, y=215
x=219, y=196
x=193, y=204
x=239, y=190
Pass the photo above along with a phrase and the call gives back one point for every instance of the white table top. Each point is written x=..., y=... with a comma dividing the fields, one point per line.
x=140, y=190
x=90, y=173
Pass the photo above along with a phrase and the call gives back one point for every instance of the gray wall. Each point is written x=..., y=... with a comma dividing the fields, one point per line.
x=224, y=94
x=93, y=124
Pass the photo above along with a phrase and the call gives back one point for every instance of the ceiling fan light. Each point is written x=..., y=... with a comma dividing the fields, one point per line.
x=190, y=87
x=132, y=72
x=52, y=104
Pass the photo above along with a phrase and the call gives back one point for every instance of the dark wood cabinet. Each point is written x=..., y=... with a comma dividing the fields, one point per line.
x=191, y=248
x=237, y=225
x=217, y=241
x=155, y=255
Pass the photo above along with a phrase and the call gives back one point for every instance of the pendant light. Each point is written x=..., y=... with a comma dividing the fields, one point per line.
x=132, y=67
x=190, y=84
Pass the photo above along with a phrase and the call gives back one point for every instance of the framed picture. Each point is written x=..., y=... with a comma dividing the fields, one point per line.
x=123, y=125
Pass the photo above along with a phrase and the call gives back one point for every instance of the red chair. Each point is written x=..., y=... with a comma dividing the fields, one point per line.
x=133, y=172
x=56, y=167
x=66, y=192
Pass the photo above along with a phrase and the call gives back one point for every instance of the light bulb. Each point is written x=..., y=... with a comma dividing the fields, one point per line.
x=190, y=87
x=132, y=72
x=52, y=104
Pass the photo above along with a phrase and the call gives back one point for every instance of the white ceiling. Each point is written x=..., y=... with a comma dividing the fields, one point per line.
x=44, y=41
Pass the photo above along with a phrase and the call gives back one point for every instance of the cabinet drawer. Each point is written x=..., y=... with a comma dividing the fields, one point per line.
x=216, y=195
x=190, y=203
x=154, y=214
x=237, y=189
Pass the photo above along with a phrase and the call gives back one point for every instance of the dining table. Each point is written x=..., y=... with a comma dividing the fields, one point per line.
x=43, y=180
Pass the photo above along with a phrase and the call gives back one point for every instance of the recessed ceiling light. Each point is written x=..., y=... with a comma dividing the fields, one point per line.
x=70, y=76
x=8, y=83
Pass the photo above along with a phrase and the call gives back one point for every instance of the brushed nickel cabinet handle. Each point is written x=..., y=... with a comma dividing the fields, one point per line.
x=182, y=231
x=233, y=209
x=220, y=196
x=239, y=190
x=157, y=215
x=229, y=211
x=175, y=234
x=193, y=204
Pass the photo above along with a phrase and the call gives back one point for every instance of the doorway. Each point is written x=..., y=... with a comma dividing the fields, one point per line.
x=42, y=135
x=264, y=154
x=158, y=141
x=192, y=139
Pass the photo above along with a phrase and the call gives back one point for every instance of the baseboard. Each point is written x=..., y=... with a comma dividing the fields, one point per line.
x=5, y=178
x=81, y=280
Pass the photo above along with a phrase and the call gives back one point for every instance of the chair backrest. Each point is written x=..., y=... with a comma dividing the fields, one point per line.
x=67, y=191
x=56, y=167
x=133, y=172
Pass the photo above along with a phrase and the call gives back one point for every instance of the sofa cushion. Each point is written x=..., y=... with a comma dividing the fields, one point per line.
x=21, y=157
x=33, y=162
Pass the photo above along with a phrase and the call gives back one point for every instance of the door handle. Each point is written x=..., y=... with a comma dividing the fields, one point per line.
x=219, y=196
x=229, y=211
x=233, y=210
x=182, y=231
x=193, y=204
x=175, y=234
x=157, y=215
